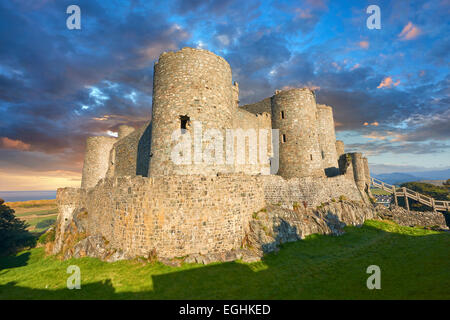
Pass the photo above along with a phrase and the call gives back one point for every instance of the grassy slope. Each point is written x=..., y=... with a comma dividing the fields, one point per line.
x=415, y=264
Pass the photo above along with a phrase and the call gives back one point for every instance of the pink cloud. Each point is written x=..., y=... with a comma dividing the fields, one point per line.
x=388, y=82
x=7, y=143
x=356, y=66
x=409, y=32
x=364, y=44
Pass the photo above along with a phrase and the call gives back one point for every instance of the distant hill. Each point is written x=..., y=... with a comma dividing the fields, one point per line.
x=434, y=182
x=402, y=177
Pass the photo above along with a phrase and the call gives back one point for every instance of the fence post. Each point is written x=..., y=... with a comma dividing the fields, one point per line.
x=395, y=196
x=406, y=198
x=433, y=204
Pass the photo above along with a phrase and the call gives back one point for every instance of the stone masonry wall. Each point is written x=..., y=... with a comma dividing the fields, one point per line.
x=130, y=155
x=176, y=216
x=251, y=139
x=182, y=215
x=309, y=190
x=264, y=105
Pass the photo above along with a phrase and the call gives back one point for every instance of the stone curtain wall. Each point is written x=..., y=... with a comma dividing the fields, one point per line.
x=245, y=120
x=312, y=190
x=181, y=215
x=259, y=107
x=130, y=155
x=175, y=215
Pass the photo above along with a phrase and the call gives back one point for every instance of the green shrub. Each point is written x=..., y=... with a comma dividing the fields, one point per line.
x=13, y=232
x=49, y=236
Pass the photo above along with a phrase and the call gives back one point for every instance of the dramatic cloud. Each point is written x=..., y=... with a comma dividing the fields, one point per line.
x=59, y=86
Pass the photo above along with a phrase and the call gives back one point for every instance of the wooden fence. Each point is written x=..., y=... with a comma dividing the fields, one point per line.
x=408, y=193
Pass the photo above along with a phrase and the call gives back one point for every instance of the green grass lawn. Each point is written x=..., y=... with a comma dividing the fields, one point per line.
x=415, y=264
x=378, y=191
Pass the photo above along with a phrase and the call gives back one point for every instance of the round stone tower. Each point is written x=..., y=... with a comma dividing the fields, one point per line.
x=192, y=94
x=327, y=140
x=96, y=160
x=294, y=113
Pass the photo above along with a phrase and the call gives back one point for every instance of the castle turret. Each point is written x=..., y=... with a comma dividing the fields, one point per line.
x=356, y=168
x=340, y=148
x=124, y=131
x=294, y=113
x=190, y=87
x=327, y=140
x=96, y=160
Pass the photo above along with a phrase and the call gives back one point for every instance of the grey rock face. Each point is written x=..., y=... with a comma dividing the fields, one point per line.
x=404, y=217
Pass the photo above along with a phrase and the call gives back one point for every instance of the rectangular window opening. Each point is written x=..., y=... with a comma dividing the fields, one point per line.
x=282, y=114
x=283, y=138
x=184, y=122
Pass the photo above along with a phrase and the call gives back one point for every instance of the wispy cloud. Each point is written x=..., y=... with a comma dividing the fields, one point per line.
x=409, y=32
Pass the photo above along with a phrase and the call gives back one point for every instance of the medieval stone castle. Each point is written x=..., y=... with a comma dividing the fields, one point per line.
x=139, y=200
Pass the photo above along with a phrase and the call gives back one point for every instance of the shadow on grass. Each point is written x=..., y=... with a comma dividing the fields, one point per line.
x=319, y=267
x=11, y=262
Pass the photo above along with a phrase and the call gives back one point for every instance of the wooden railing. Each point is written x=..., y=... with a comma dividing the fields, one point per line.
x=408, y=193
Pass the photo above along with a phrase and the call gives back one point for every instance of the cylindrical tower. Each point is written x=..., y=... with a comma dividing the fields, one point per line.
x=359, y=170
x=96, y=160
x=190, y=87
x=294, y=113
x=327, y=139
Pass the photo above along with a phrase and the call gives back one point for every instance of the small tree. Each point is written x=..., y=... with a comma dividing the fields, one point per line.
x=13, y=232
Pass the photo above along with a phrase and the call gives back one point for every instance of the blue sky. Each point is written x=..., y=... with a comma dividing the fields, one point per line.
x=389, y=87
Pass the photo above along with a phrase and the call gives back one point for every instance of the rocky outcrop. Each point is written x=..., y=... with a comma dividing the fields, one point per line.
x=403, y=217
x=276, y=224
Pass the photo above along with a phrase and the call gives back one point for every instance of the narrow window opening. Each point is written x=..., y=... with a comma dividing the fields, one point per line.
x=282, y=114
x=184, y=123
x=323, y=155
x=310, y=156
x=283, y=138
